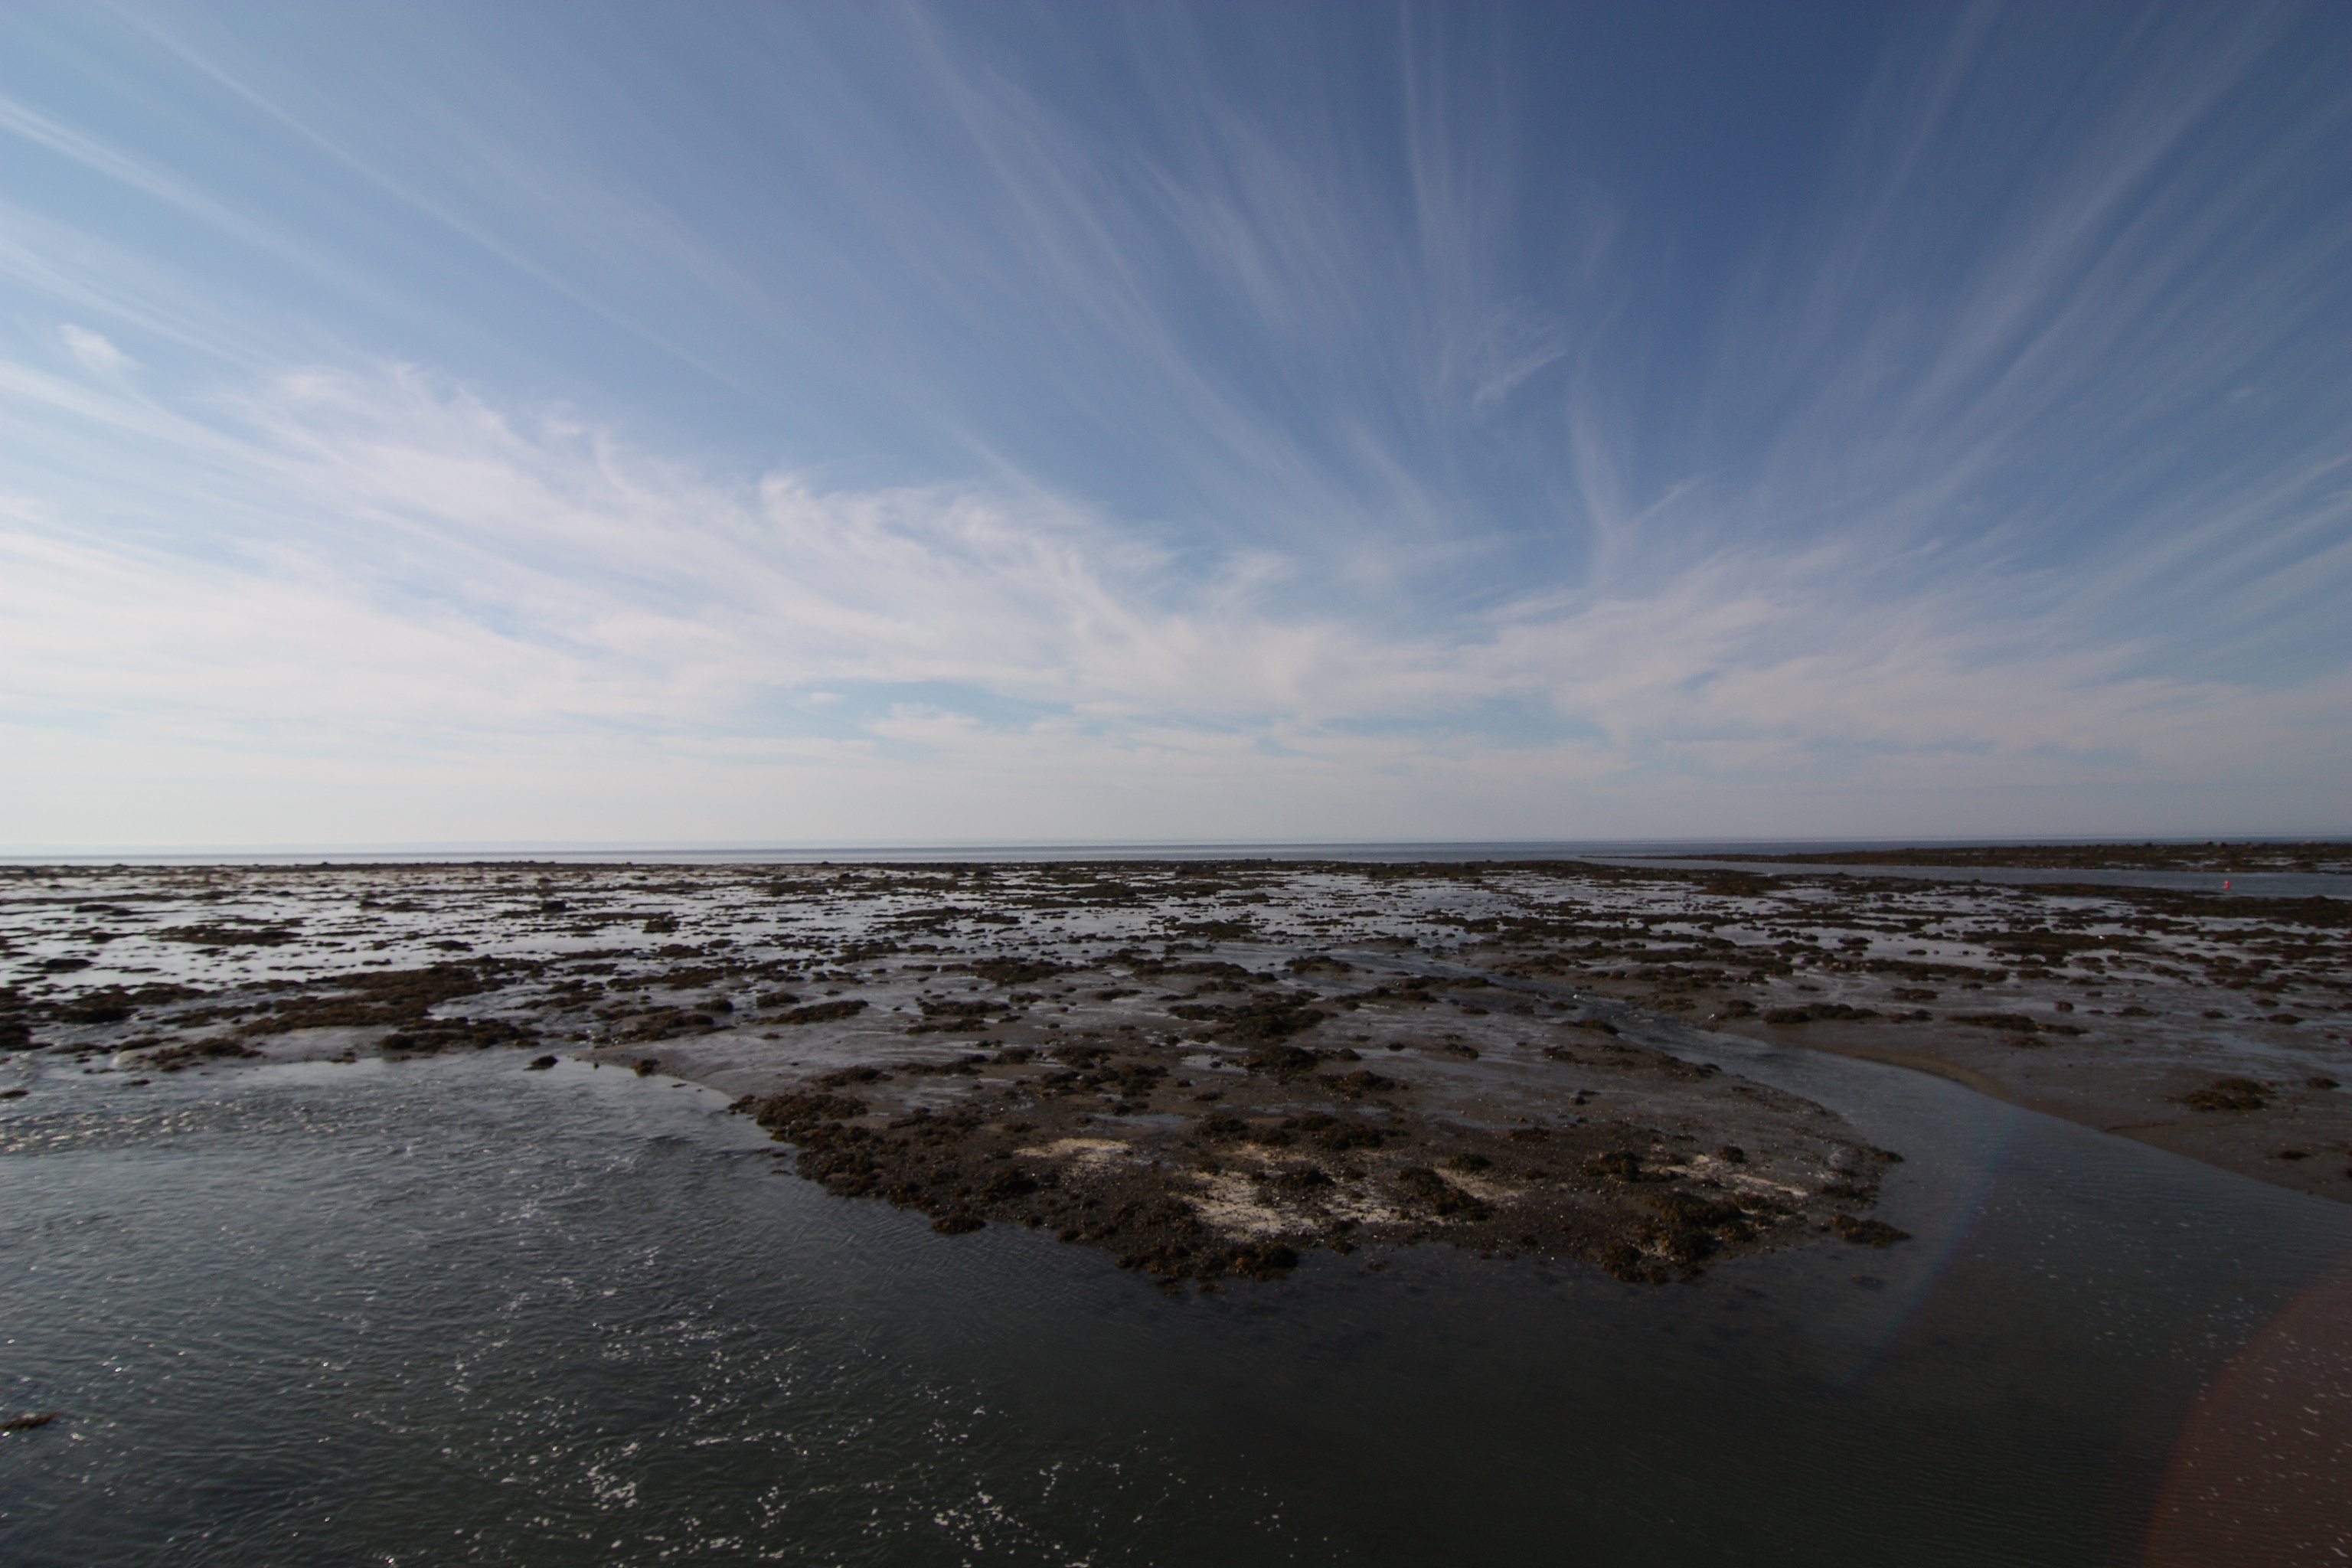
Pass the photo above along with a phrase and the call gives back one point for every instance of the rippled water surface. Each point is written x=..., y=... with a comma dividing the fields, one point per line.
x=452, y=1311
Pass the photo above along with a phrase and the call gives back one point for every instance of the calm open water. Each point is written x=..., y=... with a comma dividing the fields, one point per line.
x=1661, y=854
x=452, y=1311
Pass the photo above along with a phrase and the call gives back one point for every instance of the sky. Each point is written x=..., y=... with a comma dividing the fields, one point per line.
x=738, y=423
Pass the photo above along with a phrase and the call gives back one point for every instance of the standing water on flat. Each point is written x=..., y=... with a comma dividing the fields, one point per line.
x=454, y=1312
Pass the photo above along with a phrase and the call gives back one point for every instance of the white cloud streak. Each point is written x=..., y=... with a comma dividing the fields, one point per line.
x=98, y=355
x=388, y=566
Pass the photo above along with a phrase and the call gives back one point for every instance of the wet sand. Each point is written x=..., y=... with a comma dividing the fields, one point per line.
x=1205, y=1069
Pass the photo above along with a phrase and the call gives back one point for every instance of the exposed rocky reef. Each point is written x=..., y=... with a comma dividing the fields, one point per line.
x=1208, y=1068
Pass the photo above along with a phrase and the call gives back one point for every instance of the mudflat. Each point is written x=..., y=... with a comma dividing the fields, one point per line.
x=1204, y=1068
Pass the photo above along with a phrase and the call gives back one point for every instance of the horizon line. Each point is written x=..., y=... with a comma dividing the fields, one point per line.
x=519, y=849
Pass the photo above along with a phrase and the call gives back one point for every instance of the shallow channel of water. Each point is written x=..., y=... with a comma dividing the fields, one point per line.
x=2244, y=884
x=453, y=1311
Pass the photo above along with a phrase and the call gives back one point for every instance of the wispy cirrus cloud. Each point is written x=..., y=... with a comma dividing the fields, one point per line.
x=969, y=434
x=97, y=355
x=390, y=564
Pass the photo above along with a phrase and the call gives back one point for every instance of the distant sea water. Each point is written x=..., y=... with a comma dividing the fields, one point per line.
x=452, y=1311
x=1684, y=853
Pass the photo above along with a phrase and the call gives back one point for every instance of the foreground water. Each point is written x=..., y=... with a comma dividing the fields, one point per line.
x=453, y=1311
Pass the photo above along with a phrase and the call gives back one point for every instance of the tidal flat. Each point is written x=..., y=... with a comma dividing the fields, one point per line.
x=1535, y=1212
x=1206, y=1067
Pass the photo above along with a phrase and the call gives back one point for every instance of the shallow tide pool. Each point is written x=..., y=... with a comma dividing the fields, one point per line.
x=450, y=1310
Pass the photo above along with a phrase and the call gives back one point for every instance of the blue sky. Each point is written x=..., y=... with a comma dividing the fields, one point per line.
x=736, y=423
